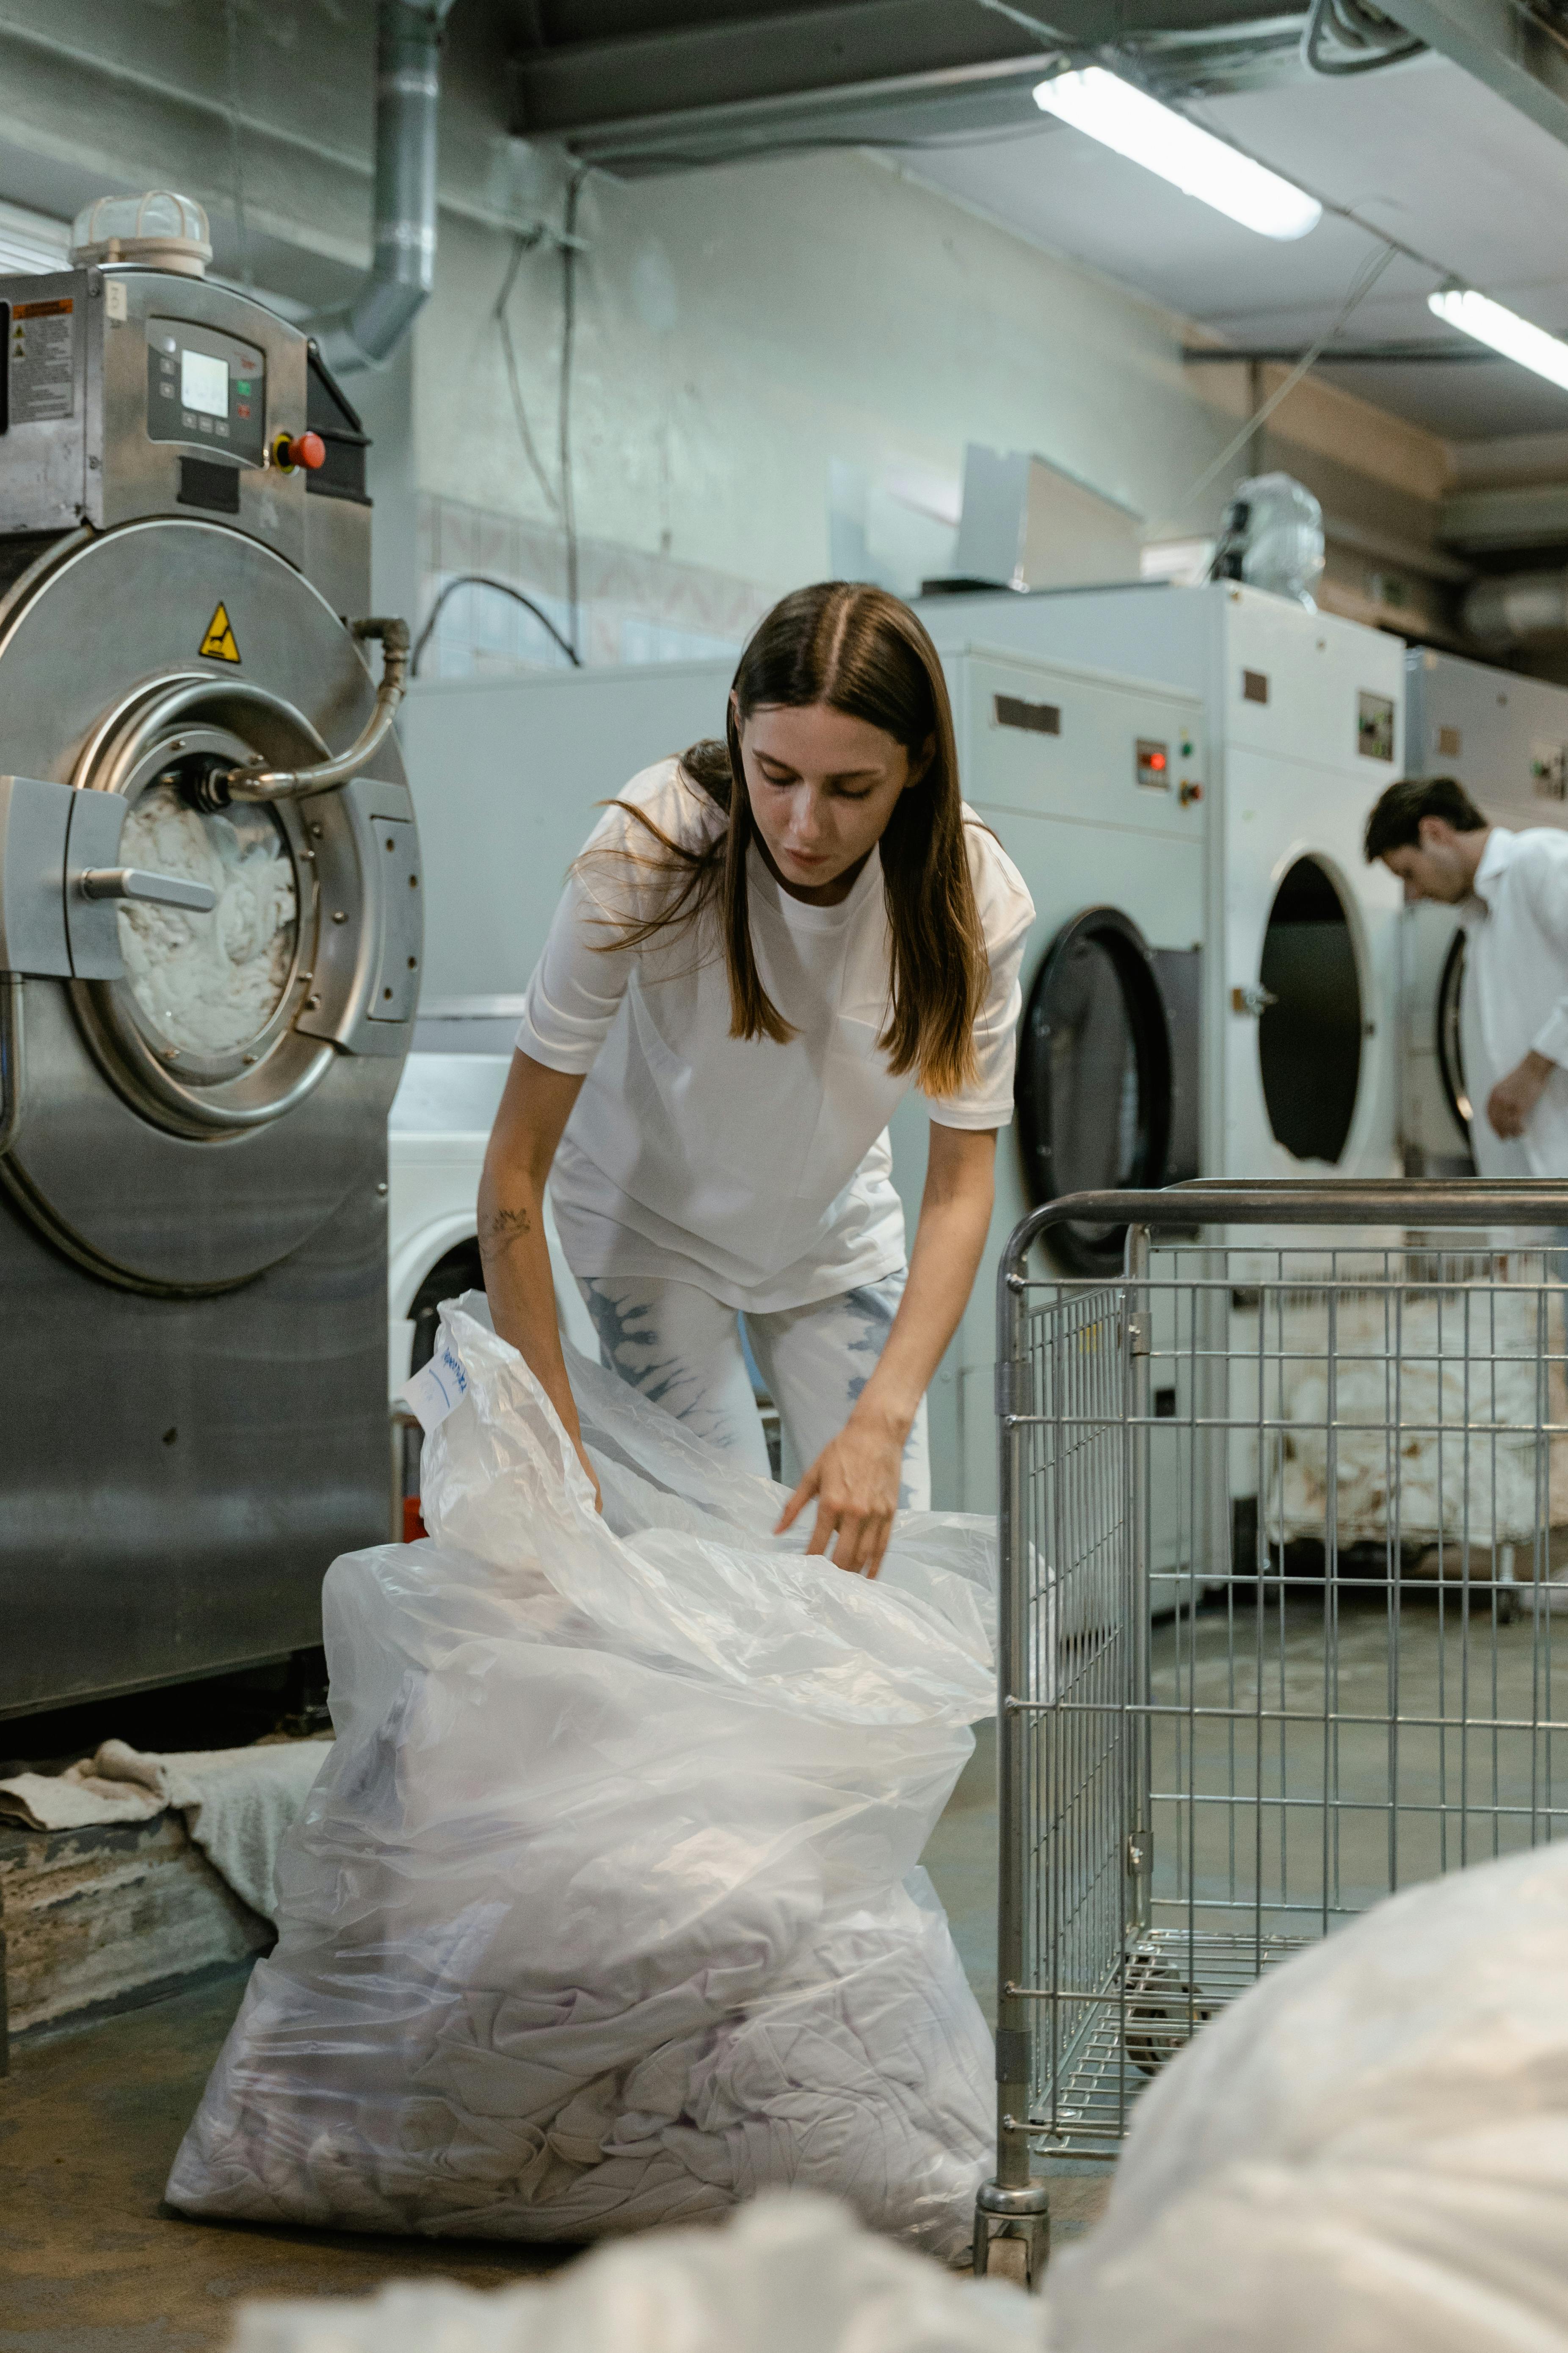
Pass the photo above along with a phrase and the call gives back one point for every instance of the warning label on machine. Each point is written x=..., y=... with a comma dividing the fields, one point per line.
x=42, y=361
x=218, y=644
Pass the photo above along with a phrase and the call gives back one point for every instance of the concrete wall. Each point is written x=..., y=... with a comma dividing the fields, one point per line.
x=775, y=367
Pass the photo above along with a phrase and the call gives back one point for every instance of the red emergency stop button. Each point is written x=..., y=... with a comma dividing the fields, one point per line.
x=291, y=449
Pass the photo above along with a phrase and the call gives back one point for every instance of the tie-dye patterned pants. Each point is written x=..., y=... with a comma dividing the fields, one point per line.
x=683, y=1350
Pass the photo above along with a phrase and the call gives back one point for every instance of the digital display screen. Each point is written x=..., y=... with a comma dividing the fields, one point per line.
x=204, y=384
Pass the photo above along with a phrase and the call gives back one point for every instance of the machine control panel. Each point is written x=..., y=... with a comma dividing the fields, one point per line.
x=206, y=389
x=1153, y=766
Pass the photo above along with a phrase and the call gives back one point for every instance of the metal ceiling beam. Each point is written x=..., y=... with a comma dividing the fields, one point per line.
x=851, y=70
x=1504, y=44
x=688, y=67
x=1422, y=354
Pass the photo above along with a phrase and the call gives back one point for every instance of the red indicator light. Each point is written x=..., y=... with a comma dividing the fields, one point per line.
x=1156, y=759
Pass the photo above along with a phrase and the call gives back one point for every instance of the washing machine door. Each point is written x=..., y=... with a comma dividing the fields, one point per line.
x=1313, y=1021
x=197, y=1106
x=1450, y=1046
x=1093, y=1089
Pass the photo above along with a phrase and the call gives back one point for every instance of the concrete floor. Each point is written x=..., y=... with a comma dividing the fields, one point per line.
x=91, y=2262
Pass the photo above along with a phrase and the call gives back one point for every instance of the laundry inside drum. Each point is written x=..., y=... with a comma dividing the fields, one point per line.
x=210, y=984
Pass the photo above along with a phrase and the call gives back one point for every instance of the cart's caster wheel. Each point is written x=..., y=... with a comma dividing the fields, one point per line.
x=1008, y=2259
x=1013, y=2234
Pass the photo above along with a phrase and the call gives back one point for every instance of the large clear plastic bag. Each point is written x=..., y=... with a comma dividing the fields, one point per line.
x=605, y=1909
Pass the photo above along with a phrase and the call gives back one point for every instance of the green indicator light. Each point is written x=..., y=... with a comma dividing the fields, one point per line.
x=243, y=387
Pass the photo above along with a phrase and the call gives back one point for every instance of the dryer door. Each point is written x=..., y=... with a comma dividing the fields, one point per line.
x=1451, y=1047
x=1309, y=1036
x=1094, y=1082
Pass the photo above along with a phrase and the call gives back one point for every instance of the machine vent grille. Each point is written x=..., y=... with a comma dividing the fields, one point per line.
x=203, y=484
x=1254, y=686
x=1039, y=718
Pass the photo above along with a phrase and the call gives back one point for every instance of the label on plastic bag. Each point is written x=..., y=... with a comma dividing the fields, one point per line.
x=432, y=1393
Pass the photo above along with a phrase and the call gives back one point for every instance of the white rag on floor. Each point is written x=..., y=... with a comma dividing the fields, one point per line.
x=606, y=1911
x=237, y=1802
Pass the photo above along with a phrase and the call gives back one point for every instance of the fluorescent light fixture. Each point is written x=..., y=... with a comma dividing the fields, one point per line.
x=1146, y=132
x=1505, y=331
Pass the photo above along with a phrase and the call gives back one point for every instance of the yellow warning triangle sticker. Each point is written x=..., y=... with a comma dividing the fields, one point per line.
x=219, y=640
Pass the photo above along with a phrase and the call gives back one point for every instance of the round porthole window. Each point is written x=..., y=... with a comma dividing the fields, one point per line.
x=1310, y=1036
x=1093, y=1088
x=1450, y=1044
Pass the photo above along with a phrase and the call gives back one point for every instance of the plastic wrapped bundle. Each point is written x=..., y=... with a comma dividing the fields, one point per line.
x=790, y=2275
x=1370, y=2151
x=605, y=1909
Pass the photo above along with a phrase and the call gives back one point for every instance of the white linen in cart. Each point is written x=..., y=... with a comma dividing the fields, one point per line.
x=606, y=1910
x=1369, y=2152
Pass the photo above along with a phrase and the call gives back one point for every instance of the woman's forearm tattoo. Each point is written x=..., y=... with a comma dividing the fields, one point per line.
x=502, y=1227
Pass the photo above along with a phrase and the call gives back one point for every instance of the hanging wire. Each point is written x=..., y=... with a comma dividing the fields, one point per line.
x=568, y=338
x=1365, y=38
x=502, y=588
x=525, y=243
x=1361, y=286
x=237, y=148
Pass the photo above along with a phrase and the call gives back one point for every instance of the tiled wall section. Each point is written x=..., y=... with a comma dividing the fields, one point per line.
x=632, y=607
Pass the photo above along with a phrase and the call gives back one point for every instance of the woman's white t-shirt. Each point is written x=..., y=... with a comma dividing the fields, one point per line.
x=760, y=1172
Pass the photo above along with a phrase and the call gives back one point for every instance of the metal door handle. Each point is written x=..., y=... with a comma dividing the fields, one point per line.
x=134, y=882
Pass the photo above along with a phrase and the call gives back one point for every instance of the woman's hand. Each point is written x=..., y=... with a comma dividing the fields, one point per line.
x=854, y=1480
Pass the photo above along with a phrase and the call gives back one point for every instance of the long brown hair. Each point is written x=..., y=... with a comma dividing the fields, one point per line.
x=858, y=650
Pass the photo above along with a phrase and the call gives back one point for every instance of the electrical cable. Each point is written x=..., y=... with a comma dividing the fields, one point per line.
x=237, y=149
x=1369, y=39
x=502, y=588
x=568, y=338
x=1365, y=279
x=525, y=243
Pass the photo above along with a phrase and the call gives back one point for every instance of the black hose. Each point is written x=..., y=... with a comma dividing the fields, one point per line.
x=502, y=588
x=1369, y=39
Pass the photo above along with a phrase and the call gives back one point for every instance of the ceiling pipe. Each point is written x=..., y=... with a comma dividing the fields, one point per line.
x=367, y=329
x=1518, y=607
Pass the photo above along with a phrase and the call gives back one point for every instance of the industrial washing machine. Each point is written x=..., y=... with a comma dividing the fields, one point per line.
x=1303, y=716
x=1096, y=787
x=210, y=936
x=1505, y=739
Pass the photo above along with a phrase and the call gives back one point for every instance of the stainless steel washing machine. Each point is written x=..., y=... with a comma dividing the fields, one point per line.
x=210, y=933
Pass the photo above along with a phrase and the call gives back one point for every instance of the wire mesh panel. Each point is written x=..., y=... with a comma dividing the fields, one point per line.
x=1285, y=1538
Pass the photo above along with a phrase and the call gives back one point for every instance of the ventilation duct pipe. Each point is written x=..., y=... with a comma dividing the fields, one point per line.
x=1521, y=604
x=367, y=330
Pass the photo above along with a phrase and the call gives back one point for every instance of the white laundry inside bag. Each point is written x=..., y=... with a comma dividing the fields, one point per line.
x=606, y=1910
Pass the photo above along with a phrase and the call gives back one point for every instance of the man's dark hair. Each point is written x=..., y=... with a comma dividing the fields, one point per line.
x=1396, y=821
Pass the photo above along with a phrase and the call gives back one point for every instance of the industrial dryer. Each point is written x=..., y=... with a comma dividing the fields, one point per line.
x=210, y=933
x=1302, y=712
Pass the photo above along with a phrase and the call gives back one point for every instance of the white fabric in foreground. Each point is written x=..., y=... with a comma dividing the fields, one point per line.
x=788, y=2275
x=237, y=1802
x=606, y=1911
x=1369, y=2152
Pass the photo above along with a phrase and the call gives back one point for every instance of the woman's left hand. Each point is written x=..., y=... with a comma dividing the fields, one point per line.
x=854, y=1480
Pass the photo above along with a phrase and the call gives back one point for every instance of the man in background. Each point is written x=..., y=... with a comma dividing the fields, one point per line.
x=1512, y=893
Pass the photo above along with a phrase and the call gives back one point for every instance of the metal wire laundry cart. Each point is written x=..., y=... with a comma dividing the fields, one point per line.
x=1283, y=1514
